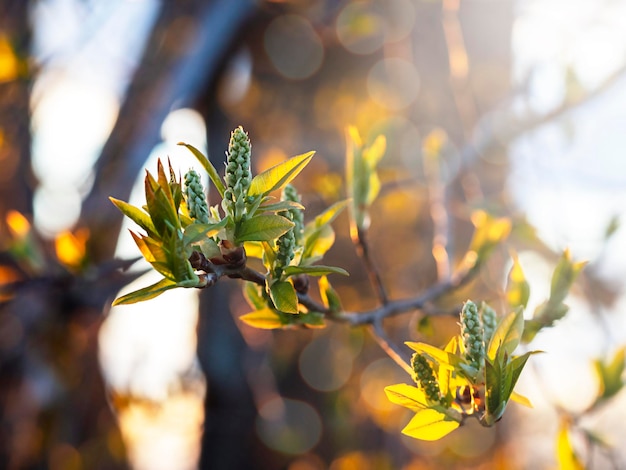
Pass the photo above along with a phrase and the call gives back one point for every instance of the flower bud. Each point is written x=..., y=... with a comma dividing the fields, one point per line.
x=425, y=377
x=296, y=216
x=488, y=316
x=238, y=174
x=473, y=335
x=195, y=197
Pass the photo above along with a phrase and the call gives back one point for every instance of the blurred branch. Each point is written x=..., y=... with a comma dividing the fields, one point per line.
x=390, y=348
x=495, y=128
x=184, y=54
x=362, y=249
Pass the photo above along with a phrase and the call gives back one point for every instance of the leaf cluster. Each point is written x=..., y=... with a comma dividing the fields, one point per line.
x=464, y=390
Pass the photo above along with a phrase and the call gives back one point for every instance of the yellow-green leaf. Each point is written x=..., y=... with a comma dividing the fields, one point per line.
x=566, y=455
x=408, y=396
x=316, y=270
x=284, y=296
x=518, y=290
x=135, y=214
x=521, y=399
x=279, y=175
x=146, y=293
x=208, y=166
x=329, y=296
x=610, y=374
x=507, y=335
x=265, y=319
x=264, y=227
x=430, y=425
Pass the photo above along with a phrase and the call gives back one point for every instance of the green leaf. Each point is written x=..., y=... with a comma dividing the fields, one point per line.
x=329, y=296
x=281, y=206
x=318, y=242
x=265, y=319
x=610, y=374
x=328, y=216
x=208, y=166
x=408, y=396
x=311, y=319
x=279, y=175
x=284, y=296
x=563, y=277
x=493, y=388
x=507, y=335
x=518, y=290
x=264, y=227
x=430, y=425
x=317, y=270
x=196, y=231
x=513, y=371
x=566, y=455
x=146, y=293
x=253, y=295
x=136, y=215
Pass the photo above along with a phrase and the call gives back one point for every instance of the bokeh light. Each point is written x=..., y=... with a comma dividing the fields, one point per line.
x=293, y=46
x=393, y=83
x=289, y=426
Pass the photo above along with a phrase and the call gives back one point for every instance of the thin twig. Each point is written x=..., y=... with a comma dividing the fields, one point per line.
x=392, y=350
x=436, y=197
x=362, y=248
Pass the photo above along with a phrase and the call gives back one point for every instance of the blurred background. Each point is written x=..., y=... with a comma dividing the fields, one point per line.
x=526, y=101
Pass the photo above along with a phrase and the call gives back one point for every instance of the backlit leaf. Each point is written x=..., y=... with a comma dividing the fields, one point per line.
x=264, y=227
x=566, y=455
x=284, y=296
x=208, y=166
x=408, y=396
x=135, y=214
x=146, y=293
x=316, y=270
x=266, y=319
x=430, y=425
x=196, y=231
x=610, y=374
x=507, y=335
x=279, y=175
x=518, y=290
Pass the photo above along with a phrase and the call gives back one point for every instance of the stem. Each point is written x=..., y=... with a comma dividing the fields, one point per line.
x=392, y=350
x=362, y=249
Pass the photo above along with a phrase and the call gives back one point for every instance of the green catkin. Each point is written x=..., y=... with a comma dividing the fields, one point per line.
x=489, y=319
x=297, y=216
x=238, y=174
x=473, y=335
x=425, y=377
x=195, y=197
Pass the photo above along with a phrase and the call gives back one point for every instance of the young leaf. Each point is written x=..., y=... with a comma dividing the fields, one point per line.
x=280, y=206
x=264, y=227
x=146, y=293
x=610, y=374
x=284, y=297
x=279, y=175
x=317, y=270
x=564, y=276
x=208, y=166
x=493, y=389
x=136, y=215
x=430, y=425
x=521, y=399
x=408, y=396
x=566, y=455
x=196, y=232
x=318, y=242
x=329, y=296
x=265, y=318
x=518, y=290
x=507, y=335
x=252, y=294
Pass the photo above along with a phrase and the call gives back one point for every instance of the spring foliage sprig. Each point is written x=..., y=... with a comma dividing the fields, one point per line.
x=192, y=244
